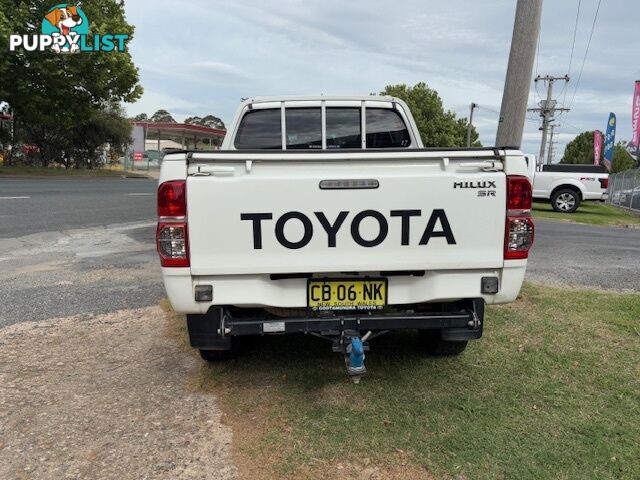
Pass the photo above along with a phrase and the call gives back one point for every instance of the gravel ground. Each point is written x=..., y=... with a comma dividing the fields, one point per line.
x=105, y=397
x=72, y=272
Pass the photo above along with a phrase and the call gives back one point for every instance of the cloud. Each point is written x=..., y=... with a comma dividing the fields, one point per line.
x=224, y=50
x=220, y=67
x=152, y=101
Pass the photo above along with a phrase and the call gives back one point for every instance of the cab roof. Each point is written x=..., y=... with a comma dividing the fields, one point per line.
x=315, y=98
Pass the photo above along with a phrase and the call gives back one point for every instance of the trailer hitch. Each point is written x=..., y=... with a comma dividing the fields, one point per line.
x=352, y=347
x=354, y=359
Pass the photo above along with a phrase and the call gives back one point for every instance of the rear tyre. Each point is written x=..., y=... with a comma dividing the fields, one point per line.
x=565, y=200
x=215, y=356
x=434, y=345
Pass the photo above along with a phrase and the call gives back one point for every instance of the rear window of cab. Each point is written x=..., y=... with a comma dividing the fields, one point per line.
x=261, y=129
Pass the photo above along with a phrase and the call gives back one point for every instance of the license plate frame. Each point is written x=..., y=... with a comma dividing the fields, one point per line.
x=359, y=304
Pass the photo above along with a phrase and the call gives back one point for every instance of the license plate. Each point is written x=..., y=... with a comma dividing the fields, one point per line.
x=348, y=294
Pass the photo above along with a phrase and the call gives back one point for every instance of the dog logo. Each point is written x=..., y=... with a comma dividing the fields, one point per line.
x=66, y=22
x=65, y=29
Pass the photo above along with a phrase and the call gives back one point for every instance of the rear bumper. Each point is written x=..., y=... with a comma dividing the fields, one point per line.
x=261, y=290
x=466, y=320
x=214, y=329
x=595, y=196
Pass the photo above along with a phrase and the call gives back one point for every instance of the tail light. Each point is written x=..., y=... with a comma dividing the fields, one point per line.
x=519, y=229
x=172, y=238
x=172, y=200
x=519, y=196
x=604, y=183
x=173, y=244
x=518, y=237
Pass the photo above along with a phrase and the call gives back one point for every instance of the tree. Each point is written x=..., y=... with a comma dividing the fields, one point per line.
x=5, y=27
x=141, y=117
x=210, y=121
x=104, y=126
x=437, y=127
x=162, y=116
x=50, y=94
x=621, y=159
x=580, y=150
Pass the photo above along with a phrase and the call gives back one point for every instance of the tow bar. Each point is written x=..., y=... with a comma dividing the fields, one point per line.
x=349, y=334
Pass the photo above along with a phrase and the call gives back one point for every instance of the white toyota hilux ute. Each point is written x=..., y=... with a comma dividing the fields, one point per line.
x=325, y=215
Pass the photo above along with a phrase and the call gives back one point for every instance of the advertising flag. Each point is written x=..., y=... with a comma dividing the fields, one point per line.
x=597, y=146
x=609, y=140
x=635, y=117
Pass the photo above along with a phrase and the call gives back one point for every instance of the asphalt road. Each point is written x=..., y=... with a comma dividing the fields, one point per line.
x=571, y=254
x=85, y=246
x=31, y=205
x=76, y=246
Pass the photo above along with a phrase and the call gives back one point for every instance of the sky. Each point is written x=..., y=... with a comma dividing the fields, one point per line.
x=201, y=57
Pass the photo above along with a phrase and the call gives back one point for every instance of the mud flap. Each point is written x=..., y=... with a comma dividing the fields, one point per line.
x=205, y=330
x=475, y=305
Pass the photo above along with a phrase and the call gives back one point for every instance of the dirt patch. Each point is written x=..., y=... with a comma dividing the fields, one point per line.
x=105, y=398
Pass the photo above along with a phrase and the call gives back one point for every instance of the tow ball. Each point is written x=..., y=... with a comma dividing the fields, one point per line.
x=353, y=347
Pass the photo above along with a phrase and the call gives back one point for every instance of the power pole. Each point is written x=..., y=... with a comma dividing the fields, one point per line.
x=550, y=151
x=470, y=125
x=517, y=84
x=547, y=110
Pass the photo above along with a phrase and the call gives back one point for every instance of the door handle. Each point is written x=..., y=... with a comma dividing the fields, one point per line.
x=218, y=171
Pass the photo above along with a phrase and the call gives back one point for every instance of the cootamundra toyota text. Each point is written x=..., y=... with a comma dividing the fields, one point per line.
x=325, y=215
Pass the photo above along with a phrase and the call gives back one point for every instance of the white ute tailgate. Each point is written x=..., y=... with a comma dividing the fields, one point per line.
x=222, y=243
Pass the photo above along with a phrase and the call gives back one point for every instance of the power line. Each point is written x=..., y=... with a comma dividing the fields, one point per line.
x=564, y=91
x=482, y=107
x=584, y=59
x=536, y=95
x=577, y=129
x=573, y=44
x=492, y=110
x=487, y=108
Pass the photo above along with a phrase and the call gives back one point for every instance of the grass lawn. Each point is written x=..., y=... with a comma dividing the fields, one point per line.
x=594, y=213
x=552, y=391
x=58, y=171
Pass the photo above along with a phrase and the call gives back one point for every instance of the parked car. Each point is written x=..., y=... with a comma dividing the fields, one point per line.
x=635, y=199
x=152, y=157
x=615, y=198
x=325, y=215
x=566, y=186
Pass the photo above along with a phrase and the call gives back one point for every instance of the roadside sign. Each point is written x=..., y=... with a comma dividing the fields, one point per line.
x=137, y=137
